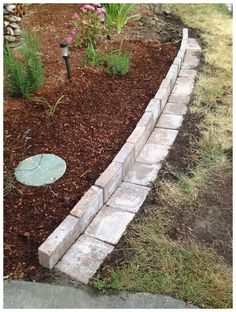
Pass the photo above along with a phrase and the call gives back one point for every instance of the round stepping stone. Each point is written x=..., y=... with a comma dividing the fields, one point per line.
x=40, y=169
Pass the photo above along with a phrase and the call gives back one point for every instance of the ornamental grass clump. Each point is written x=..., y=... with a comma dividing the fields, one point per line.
x=118, y=15
x=25, y=71
x=117, y=63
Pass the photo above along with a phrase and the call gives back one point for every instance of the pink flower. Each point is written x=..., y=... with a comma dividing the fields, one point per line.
x=101, y=11
x=73, y=31
x=87, y=7
x=69, y=40
x=76, y=15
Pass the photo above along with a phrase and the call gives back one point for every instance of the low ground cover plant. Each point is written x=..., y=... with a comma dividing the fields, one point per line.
x=117, y=63
x=25, y=71
x=50, y=107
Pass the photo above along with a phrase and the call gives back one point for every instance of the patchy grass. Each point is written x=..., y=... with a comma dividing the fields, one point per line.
x=159, y=253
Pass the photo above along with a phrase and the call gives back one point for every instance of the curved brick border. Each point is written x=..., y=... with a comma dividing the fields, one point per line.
x=106, y=209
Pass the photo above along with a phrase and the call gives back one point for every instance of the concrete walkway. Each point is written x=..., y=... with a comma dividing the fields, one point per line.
x=19, y=295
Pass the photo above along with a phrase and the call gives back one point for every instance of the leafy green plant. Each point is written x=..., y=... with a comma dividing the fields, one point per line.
x=117, y=15
x=25, y=72
x=50, y=107
x=91, y=55
x=117, y=63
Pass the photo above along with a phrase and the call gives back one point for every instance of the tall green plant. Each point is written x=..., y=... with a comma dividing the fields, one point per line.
x=117, y=15
x=24, y=74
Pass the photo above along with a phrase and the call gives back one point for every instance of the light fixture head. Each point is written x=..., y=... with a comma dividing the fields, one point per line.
x=64, y=49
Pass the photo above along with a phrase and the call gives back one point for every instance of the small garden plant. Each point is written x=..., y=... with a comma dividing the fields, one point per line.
x=49, y=106
x=117, y=63
x=25, y=71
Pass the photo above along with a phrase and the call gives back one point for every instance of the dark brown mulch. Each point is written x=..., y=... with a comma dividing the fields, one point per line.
x=97, y=115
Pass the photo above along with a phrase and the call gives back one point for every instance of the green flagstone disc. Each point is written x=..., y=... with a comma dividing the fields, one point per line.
x=40, y=169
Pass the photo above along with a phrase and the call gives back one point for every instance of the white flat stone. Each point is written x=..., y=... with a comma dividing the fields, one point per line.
x=129, y=197
x=54, y=247
x=109, y=224
x=169, y=121
x=88, y=206
x=162, y=95
x=152, y=153
x=84, y=258
x=142, y=173
x=175, y=109
x=188, y=73
x=165, y=137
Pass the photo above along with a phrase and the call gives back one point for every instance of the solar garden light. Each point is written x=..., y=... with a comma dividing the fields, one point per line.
x=66, y=55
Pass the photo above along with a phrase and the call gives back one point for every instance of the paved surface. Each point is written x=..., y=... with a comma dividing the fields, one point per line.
x=18, y=294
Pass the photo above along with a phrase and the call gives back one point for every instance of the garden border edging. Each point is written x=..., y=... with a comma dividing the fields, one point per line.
x=62, y=238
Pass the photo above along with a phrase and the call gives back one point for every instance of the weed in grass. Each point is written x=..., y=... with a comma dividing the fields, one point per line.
x=49, y=107
x=117, y=63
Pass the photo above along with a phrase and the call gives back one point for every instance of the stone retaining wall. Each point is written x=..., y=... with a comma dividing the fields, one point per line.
x=97, y=222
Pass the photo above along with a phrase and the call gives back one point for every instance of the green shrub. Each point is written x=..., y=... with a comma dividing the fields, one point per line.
x=117, y=63
x=24, y=73
x=91, y=55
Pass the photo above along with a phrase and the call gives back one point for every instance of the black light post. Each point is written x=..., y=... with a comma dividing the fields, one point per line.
x=66, y=55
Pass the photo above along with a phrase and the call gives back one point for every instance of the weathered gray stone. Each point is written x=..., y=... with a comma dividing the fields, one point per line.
x=109, y=224
x=126, y=157
x=191, y=59
x=129, y=197
x=88, y=206
x=147, y=121
x=152, y=153
x=165, y=137
x=185, y=33
x=169, y=121
x=142, y=173
x=40, y=169
x=10, y=38
x=110, y=179
x=175, y=108
x=54, y=247
x=154, y=107
x=84, y=258
x=172, y=74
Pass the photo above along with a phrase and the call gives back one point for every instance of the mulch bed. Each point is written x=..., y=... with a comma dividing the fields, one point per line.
x=96, y=117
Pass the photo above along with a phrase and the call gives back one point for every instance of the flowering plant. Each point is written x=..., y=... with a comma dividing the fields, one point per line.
x=87, y=25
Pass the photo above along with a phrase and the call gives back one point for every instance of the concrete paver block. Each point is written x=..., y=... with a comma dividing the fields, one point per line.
x=84, y=258
x=88, y=206
x=172, y=74
x=138, y=137
x=126, y=157
x=154, y=107
x=175, y=108
x=142, y=173
x=162, y=95
x=147, y=121
x=184, y=85
x=188, y=73
x=152, y=153
x=129, y=197
x=110, y=179
x=191, y=59
x=179, y=99
x=109, y=224
x=54, y=247
x=165, y=137
x=169, y=121
x=165, y=84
